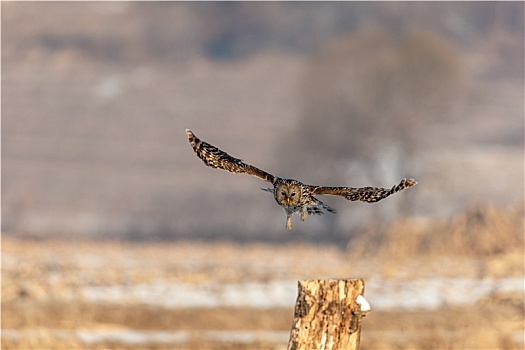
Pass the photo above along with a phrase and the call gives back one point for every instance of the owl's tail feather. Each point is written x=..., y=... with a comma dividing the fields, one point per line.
x=314, y=208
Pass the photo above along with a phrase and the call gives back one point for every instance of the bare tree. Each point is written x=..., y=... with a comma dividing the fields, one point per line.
x=367, y=100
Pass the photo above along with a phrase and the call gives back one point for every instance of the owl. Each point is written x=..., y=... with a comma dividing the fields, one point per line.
x=292, y=195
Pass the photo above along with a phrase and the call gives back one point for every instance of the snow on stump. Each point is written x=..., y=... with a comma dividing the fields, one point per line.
x=328, y=314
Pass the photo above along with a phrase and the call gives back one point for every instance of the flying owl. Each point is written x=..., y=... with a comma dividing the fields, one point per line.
x=292, y=195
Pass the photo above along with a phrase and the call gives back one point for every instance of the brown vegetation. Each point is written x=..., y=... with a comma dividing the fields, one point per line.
x=43, y=285
x=482, y=231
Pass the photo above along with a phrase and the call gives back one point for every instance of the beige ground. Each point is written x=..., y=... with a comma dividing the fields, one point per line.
x=43, y=304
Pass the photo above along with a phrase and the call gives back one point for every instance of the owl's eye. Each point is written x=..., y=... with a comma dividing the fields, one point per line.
x=293, y=194
x=283, y=193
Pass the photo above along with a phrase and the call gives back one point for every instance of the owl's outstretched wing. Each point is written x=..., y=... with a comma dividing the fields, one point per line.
x=218, y=159
x=364, y=194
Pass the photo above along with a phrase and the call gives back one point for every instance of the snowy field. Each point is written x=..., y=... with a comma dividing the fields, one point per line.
x=189, y=295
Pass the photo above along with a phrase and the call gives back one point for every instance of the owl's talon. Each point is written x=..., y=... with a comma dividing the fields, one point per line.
x=289, y=223
x=304, y=215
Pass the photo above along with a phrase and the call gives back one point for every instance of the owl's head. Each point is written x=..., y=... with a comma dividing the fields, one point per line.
x=288, y=193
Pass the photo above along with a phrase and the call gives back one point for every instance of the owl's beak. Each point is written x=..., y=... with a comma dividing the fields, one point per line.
x=288, y=200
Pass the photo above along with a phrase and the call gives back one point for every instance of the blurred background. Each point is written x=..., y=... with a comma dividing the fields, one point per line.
x=104, y=202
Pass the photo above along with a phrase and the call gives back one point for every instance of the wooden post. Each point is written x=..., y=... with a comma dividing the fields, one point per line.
x=328, y=315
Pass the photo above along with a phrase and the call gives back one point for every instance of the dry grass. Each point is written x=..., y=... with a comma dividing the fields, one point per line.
x=42, y=284
x=480, y=327
x=481, y=231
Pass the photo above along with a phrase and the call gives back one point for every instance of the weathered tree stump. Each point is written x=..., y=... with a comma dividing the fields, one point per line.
x=328, y=315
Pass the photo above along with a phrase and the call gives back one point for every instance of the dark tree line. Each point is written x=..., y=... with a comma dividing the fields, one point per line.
x=139, y=31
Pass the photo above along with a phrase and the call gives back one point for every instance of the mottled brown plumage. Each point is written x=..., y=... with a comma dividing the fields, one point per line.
x=292, y=195
x=218, y=159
